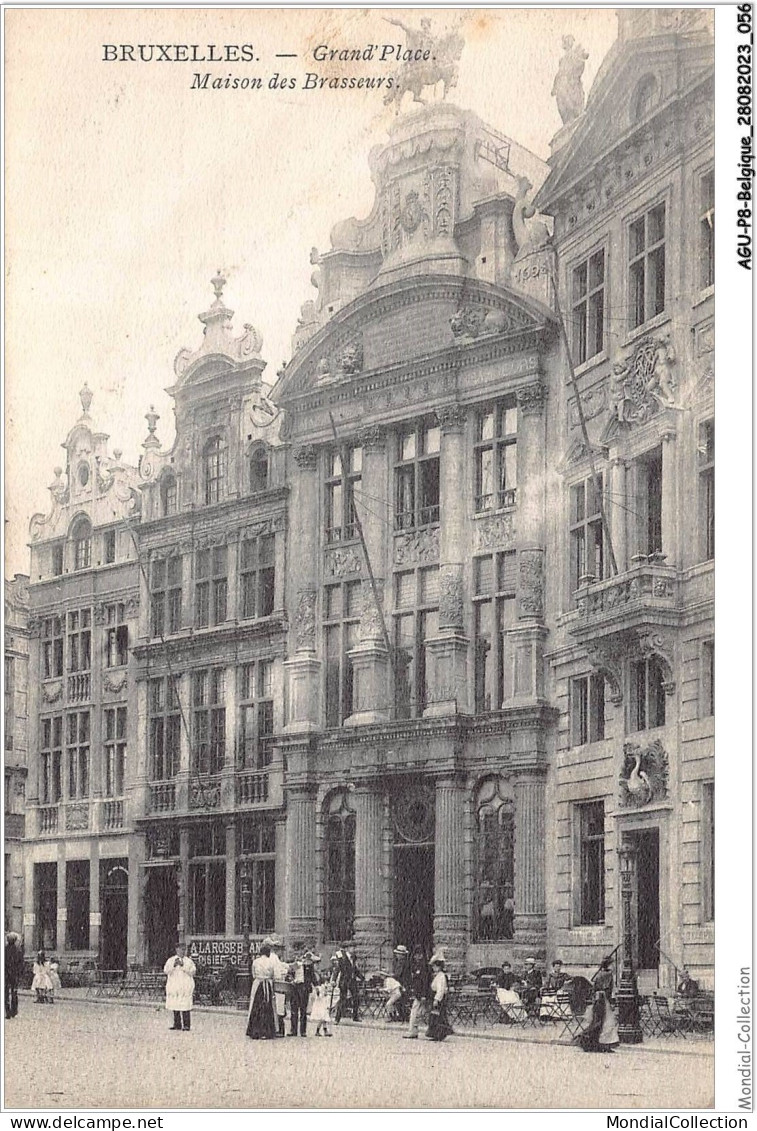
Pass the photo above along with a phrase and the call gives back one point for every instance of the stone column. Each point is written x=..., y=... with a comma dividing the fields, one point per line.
x=280, y=894
x=30, y=917
x=231, y=878
x=448, y=653
x=301, y=849
x=370, y=920
x=303, y=669
x=187, y=588
x=618, y=507
x=669, y=509
x=228, y=774
x=450, y=919
x=95, y=917
x=183, y=925
x=184, y=691
x=530, y=902
x=137, y=882
x=62, y=914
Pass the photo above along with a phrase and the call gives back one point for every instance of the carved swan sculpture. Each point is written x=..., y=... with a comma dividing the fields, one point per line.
x=638, y=783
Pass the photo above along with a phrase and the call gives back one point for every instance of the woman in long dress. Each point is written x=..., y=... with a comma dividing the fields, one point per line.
x=508, y=998
x=600, y=1034
x=261, y=1016
x=438, y=1025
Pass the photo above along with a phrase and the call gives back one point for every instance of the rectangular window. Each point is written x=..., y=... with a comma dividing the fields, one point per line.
x=416, y=477
x=165, y=593
x=345, y=470
x=57, y=559
x=52, y=647
x=342, y=606
x=51, y=756
x=80, y=641
x=647, y=704
x=647, y=500
x=209, y=730
x=707, y=833
x=496, y=457
x=493, y=614
x=115, y=750
x=207, y=880
x=8, y=692
x=77, y=753
x=588, y=308
x=165, y=728
x=256, y=878
x=706, y=453
x=646, y=266
x=255, y=750
x=591, y=829
x=109, y=546
x=417, y=591
x=210, y=586
x=707, y=679
x=587, y=709
x=707, y=230
x=77, y=904
x=258, y=576
x=587, y=548
x=116, y=637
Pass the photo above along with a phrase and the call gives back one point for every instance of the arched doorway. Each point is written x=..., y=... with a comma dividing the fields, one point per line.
x=114, y=908
x=161, y=912
x=413, y=818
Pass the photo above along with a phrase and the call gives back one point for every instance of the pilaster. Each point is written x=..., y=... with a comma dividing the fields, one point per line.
x=137, y=884
x=301, y=849
x=183, y=925
x=450, y=918
x=231, y=878
x=530, y=901
x=62, y=915
x=370, y=923
x=669, y=508
x=94, y=895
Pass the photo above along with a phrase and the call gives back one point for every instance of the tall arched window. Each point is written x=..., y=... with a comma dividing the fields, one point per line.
x=169, y=494
x=340, y=868
x=258, y=468
x=81, y=536
x=214, y=469
x=495, y=864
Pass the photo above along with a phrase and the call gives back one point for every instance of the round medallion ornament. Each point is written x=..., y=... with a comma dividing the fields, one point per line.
x=412, y=213
x=413, y=813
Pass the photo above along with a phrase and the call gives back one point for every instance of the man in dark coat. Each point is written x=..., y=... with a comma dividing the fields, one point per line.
x=532, y=981
x=14, y=968
x=347, y=979
x=304, y=977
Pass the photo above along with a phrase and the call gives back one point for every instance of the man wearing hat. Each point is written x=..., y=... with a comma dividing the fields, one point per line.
x=14, y=968
x=401, y=978
x=280, y=972
x=304, y=978
x=531, y=986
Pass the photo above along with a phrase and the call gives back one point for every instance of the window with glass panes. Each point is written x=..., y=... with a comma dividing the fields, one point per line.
x=647, y=501
x=341, y=614
x=82, y=539
x=706, y=454
x=77, y=904
x=588, y=307
x=647, y=702
x=109, y=546
x=707, y=230
x=416, y=477
x=209, y=721
x=116, y=637
x=257, y=572
x=214, y=469
x=255, y=715
x=340, y=867
x=169, y=495
x=496, y=457
x=256, y=877
x=494, y=581
x=258, y=468
x=115, y=750
x=416, y=621
x=587, y=549
x=51, y=757
x=211, y=585
x=207, y=879
x=52, y=647
x=591, y=831
x=165, y=594
x=165, y=728
x=343, y=481
x=587, y=709
x=77, y=753
x=80, y=640
x=646, y=266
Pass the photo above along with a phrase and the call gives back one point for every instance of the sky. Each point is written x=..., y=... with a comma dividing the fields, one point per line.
x=126, y=190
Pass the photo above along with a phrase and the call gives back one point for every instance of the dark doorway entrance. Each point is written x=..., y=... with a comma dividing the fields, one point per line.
x=114, y=907
x=161, y=913
x=648, y=898
x=414, y=896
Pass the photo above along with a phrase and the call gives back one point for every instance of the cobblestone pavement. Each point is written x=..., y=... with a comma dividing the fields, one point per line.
x=79, y=1054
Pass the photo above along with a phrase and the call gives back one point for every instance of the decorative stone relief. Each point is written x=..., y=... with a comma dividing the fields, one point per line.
x=372, y=438
x=421, y=546
x=341, y=562
x=204, y=795
x=77, y=817
x=593, y=402
x=51, y=692
x=531, y=399
x=451, y=417
x=705, y=338
x=414, y=814
x=304, y=621
x=306, y=458
x=624, y=591
x=495, y=532
x=115, y=683
x=131, y=606
x=643, y=382
x=531, y=583
x=644, y=776
x=371, y=623
x=651, y=643
x=451, y=596
x=100, y=613
x=606, y=657
x=531, y=233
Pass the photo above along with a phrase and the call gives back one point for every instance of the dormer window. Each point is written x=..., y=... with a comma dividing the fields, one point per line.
x=81, y=536
x=214, y=469
x=258, y=469
x=169, y=495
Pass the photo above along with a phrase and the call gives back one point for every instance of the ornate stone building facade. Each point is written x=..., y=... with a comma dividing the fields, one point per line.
x=16, y=739
x=409, y=657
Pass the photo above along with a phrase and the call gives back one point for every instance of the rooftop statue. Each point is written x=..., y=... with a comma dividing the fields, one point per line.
x=442, y=55
x=568, y=87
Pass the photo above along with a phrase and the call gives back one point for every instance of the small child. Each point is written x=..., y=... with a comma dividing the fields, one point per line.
x=54, y=975
x=320, y=1009
x=41, y=982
